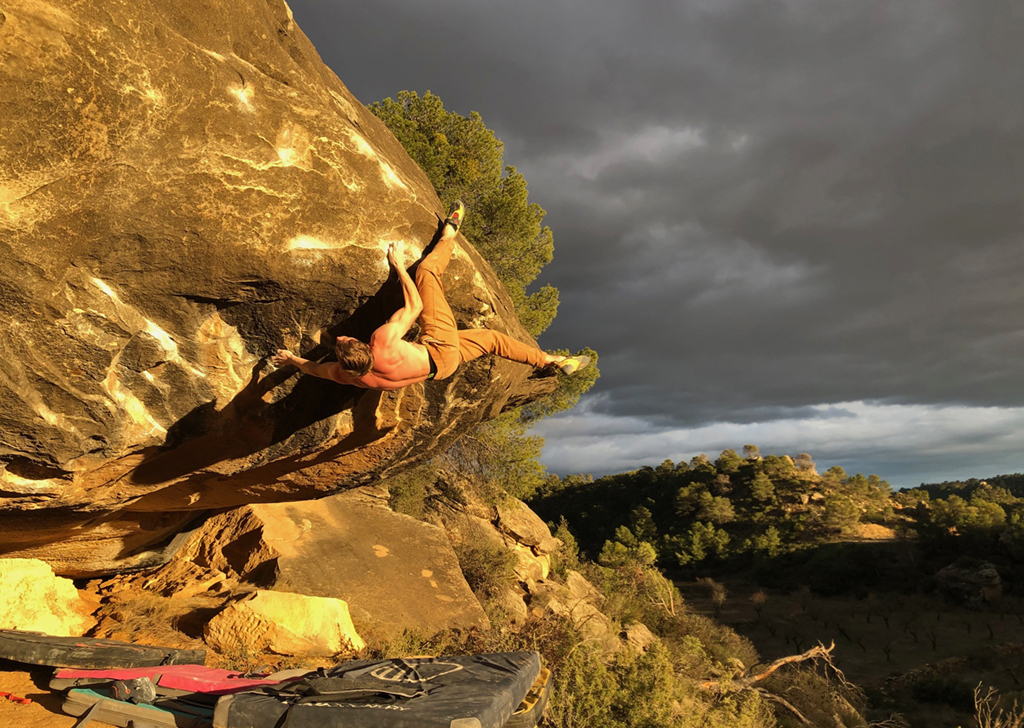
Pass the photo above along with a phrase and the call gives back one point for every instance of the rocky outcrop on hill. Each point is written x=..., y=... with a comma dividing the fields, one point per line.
x=578, y=601
x=970, y=582
x=184, y=188
x=512, y=526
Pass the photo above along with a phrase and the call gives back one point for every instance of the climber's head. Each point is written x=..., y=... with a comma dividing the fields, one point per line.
x=354, y=356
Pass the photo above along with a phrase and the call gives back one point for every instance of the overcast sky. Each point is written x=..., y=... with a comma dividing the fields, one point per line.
x=792, y=223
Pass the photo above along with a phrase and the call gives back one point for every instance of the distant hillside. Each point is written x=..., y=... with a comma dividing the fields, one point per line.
x=703, y=511
x=965, y=488
x=778, y=515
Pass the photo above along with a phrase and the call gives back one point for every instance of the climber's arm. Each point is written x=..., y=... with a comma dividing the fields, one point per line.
x=403, y=319
x=327, y=370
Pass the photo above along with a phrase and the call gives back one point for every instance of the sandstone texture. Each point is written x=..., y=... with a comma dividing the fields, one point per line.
x=516, y=520
x=395, y=573
x=34, y=600
x=285, y=624
x=184, y=188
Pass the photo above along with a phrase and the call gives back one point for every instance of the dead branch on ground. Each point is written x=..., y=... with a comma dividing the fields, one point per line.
x=784, y=703
x=745, y=683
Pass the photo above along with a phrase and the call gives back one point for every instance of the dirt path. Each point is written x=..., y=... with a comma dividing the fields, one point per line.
x=43, y=712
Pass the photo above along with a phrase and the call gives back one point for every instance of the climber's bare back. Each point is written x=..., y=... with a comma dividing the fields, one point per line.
x=397, y=363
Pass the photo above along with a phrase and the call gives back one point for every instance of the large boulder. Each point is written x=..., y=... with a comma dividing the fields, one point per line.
x=516, y=520
x=285, y=624
x=394, y=573
x=184, y=188
x=35, y=600
x=578, y=601
x=509, y=525
x=638, y=636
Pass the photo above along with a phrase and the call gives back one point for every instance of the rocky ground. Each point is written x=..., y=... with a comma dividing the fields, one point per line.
x=275, y=586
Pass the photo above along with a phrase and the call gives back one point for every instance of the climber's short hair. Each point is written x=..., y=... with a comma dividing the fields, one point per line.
x=354, y=357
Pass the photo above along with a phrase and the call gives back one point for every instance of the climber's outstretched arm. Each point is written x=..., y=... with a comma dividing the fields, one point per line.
x=328, y=370
x=403, y=318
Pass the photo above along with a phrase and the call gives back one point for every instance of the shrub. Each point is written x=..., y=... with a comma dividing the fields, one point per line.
x=567, y=558
x=407, y=492
x=944, y=690
x=487, y=567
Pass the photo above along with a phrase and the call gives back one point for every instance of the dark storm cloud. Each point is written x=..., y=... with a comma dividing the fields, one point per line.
x=907, y=444
x=759, y=206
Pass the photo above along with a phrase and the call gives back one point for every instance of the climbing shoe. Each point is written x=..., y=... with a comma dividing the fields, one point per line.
x=455, y=215
x=572, y=364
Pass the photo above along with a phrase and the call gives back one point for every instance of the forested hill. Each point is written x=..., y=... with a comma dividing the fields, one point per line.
x=749, y=510
x=708, y=510
x=1012, y=484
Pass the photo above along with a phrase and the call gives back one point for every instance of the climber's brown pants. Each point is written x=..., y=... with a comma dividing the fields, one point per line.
x=446, y=344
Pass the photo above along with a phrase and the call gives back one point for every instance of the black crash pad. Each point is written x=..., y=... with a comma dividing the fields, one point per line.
x=476, y=691
x=89, y=653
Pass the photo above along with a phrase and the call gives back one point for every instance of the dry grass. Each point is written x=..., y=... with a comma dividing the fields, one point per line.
x=146, y=618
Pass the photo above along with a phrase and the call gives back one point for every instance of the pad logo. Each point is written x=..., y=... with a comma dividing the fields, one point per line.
x=414, y=672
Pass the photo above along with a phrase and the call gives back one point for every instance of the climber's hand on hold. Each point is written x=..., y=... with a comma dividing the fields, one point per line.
x=395, y=254
x=283, y=357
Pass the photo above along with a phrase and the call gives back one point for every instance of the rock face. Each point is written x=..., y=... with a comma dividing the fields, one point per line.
x=184, y=188
x=285, y=624
x=513, y=526
x=34, y=600
x=579, y=601
x=524, y=527
x=638, y=636
x=510, y=525
x=395, y=573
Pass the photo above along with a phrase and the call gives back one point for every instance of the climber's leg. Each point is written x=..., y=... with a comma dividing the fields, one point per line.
x=437, y=261
x=438, y=330
x=475, y=343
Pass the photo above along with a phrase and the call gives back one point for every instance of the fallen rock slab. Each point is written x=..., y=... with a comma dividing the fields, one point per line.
x=529, y=566
x=395, y=573
x=517, y=520
x=638, y=636
x=550, y=596
x=285, y=624
x=580, y=588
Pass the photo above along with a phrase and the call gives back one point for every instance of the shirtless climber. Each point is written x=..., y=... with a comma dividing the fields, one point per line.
x=389, y=362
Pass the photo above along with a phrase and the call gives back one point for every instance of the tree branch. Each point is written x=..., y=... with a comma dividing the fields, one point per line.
x=784, y=703
x=744, y=683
